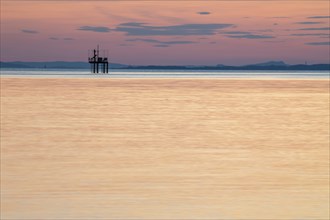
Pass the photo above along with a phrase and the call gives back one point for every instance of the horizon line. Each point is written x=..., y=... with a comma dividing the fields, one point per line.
x=258, y=62
x=164, y=0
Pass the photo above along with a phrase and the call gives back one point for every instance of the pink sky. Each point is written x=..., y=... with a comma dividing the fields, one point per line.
x=166, y=32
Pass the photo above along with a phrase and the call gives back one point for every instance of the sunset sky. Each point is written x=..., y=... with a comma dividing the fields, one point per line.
x=166, y=32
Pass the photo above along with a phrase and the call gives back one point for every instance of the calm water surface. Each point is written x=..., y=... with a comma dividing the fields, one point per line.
x=162, y=74
x=145, y=148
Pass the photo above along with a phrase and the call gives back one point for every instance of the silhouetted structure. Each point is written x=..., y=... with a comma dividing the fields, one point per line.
x=96, y=61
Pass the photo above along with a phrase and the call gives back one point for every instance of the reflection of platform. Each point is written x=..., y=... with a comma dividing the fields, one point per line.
x=96, y=60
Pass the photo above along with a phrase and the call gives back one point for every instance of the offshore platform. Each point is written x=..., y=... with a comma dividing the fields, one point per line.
x=98, y=63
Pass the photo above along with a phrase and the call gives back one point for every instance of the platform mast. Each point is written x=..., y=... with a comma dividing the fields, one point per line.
x=96, y=61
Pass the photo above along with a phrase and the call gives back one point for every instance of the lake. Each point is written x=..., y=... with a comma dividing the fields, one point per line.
x=124, y=147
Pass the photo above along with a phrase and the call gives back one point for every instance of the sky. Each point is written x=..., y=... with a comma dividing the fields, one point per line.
x=165, y=32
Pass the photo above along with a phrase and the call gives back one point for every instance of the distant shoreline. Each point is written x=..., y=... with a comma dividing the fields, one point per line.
x=275, y=66
x=315, y=67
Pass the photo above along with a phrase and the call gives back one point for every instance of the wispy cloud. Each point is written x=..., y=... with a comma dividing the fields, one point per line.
x=132, y=24
x=158, y=43
x=274, y=41
x=316, y=34
x=94, y=29
x=264, y=30
x=141, y=29
x=318, y=43
x=246, y=35
x=28, y=31
x=250, y=36
x=236, y=32
x=204, y=13
x=57, y=38
x=318, y=17
x=161, y=42
x=309, y=22
x=315, y=29
x=280, y=17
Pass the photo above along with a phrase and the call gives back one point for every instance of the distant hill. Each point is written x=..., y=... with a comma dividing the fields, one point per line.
x=271, y=65
x=314, y=67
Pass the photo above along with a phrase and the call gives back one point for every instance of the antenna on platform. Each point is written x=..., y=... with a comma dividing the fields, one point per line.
x=98, y=50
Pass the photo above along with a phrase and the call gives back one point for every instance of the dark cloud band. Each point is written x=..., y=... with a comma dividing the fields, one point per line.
x=250, y=36
x=309, y=22
x=158, y=43
x=27, y=31
x=319, y=43
x=204, y=13
x=95, y=29
x=315, y=29
x=140, y=29
x=318, y=17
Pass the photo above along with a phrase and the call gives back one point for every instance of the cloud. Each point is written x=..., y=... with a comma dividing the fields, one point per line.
x=204, y=13
x=250, y=36
x=315, y=29
x=318, y=17
x=27, y=31
x=309, y=22
x=318, y=43
x=162, y=42
x=274, y=41
x=316, y=34
x=134, y=24
x=280, y=17
x=246, y=35
x=94, y=29
x=140, y=29
x=56, y=38
x=158, y=42
x=264, y=30
x=236, y=32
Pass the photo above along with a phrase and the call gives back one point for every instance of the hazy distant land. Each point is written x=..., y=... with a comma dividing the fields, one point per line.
x=271, y=65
